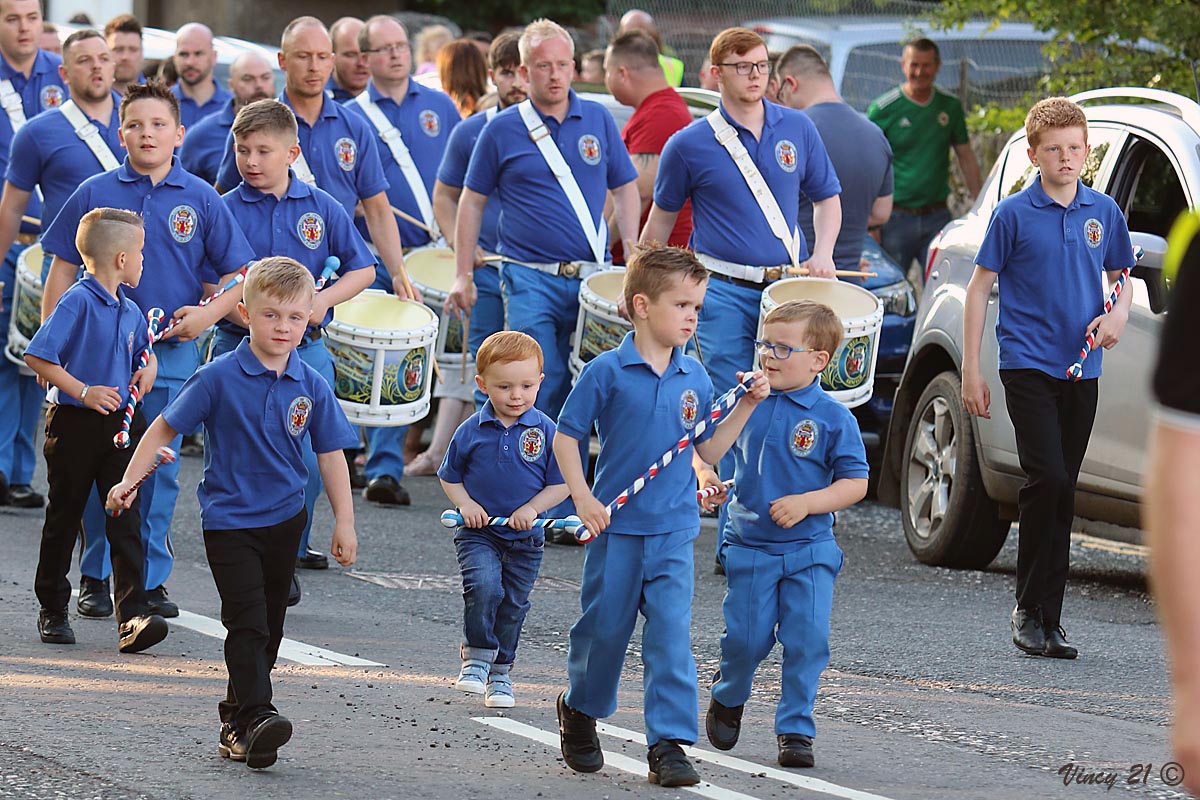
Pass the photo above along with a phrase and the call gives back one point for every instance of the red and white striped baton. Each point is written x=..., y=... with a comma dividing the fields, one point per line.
x=164, y=455
x=121, y=440
x=234, y=281
x=1075, y=371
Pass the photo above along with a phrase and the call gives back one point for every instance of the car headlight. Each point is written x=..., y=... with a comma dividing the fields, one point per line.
x=897, y=298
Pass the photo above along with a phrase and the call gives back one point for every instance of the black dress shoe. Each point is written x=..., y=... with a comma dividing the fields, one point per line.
x=139, y=633
x=723, y=724
x=22, y=495
x=54, y=628
x=357, y=479
x=95, y=598
x=577, y=738
x=669, y=765
x=718, y=567
x=157, y=600
x=795, y=750
x=3, y=489
x=387, y=490
x=312, y=559
x=264, y=738
x=1027, y=631
x=294, y=592
x=231, y=744
x=1056, y=643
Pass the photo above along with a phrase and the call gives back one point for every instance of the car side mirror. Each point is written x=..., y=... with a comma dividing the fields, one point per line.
x=1149, y=269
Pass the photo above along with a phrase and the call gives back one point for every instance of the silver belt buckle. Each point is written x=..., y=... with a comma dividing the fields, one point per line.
x=568, y=269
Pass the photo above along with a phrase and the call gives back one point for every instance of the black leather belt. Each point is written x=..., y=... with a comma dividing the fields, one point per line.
x=773, y=274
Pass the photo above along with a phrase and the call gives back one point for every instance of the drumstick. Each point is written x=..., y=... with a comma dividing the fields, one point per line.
x=492, y=259
x=841, y=273
x=234, y=281
x=465, y=333
x=31, y=220
x=412, y=293
x=121, y=440
x=164, y=455
x=413, y=220
x=331, y=266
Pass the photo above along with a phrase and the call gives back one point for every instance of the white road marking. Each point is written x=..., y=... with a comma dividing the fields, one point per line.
x=722, y=760
x=615, y=760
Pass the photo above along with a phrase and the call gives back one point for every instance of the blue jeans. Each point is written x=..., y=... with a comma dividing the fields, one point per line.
x=906, y=235
x=487, y=316
x=497, y=576
x=20, y=396
x=546, y=307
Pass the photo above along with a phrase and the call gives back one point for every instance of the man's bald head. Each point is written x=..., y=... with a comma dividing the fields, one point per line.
x=193, y=33
x=300, y=25
x=635, y=19
x=250, y=79
x=194, y=53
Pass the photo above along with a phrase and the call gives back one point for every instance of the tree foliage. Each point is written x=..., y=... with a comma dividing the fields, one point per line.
x=494, y=15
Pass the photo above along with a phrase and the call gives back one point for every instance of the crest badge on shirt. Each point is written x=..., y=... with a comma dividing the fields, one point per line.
x=52, y=97
x=943, y=119
x=182, y=221
x=1093, y=232
x=533, y=444
x=431, y=123
x=311, y=228
x=298, y=413
x=589, y=149
x=785, y=155
x=689, y=408
x=346, y=151
x=804, y=438
x=129, y=345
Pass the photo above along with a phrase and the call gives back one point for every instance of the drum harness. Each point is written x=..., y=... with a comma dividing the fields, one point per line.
x=400, y=153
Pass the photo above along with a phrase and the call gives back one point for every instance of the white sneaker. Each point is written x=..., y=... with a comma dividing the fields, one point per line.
x=473, y=676
x=499, y=691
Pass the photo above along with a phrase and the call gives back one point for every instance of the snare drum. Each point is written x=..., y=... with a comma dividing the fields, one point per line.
x=381, y=347
x=26, y=306
x=432, y=271
x=599, y=326
x=850, y=376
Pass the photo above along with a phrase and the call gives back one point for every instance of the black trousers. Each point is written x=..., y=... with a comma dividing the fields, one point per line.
x=80, y=454
x=1052, y=419
x=253, y=571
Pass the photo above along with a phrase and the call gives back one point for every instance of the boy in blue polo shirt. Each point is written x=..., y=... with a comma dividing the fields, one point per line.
x=1050, y=245
x=641, y=398
x=499, y=464
x=257, y=405
x=284, y=216
x=799, y=460
x=87, y=352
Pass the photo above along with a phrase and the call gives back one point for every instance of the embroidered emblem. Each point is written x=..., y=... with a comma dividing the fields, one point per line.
x=689, y=408
x=347, y=153
x=589, y=149
x=311, y=228
x=1093, y=231
x=182, y=222
x=52, y=96
x=431, y=124
x=298, y=413
x=943, y=119
x=533, y=443
x=804, y=438
x=785, y=155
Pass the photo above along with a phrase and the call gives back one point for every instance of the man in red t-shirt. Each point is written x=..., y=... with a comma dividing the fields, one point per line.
x=633, y=75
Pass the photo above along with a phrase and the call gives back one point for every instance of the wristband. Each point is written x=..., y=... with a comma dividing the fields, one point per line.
x=83, y=394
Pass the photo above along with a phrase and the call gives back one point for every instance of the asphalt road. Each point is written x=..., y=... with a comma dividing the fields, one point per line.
x=925, y=697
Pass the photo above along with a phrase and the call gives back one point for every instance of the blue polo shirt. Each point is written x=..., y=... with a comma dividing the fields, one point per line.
x=191, y=238
x=794, y=442
x=536, y=220
x=306, y=224
x=502, y=468
x=49, y=154
x=340, y=151
x=453, y=172
x=1051, y=262
x=254, y=425
x=727, y=222
x=638, y=416
x=94, y=336
x=41, y=91
x=190, y=112
x=425, y=120
x=204, y=143
x=336, y=93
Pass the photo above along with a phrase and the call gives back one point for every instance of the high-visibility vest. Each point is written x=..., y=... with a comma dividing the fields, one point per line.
x=672, y=68
x=1183, y=231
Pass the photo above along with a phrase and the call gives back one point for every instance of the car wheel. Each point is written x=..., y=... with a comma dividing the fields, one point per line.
x=949, y=520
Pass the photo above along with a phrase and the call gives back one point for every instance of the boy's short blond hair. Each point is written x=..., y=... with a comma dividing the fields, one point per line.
x=1053, y=112
x=104, y=232
x=279, y=277
x=822, y=327
x=268, y=116
x=503, y=347
x=652, y=267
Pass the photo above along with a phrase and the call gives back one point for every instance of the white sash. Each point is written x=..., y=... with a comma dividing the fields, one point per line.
x=12, y=104
x=597, y=236
x=395, y=142
x=491, y=112
x=90, y=135
x=728, y=138
x=303, y=172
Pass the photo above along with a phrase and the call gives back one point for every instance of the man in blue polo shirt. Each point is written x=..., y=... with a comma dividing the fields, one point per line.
x=350, y=73
x=196, y=90
x=251, y=78
x=542, y=237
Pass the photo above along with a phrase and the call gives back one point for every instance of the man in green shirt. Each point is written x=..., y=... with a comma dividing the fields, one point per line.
x=921, y=123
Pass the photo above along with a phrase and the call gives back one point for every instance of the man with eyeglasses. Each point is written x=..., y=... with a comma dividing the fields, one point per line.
x=350, y=73
x=250, y=78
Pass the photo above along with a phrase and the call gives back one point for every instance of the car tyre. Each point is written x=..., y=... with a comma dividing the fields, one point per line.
x=949, y=520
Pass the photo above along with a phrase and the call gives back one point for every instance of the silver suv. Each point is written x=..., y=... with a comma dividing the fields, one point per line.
x=956, y=477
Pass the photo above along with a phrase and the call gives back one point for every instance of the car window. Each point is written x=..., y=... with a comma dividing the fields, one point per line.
x=1019, y=170
x=1155, y=199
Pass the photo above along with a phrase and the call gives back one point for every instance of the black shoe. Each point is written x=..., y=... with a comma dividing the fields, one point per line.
x=723, y=724
x=231, y=744
x=578, y=739
x=1027, y=630
x=312, y=559
x=357, y=479
x=157, y=600
x=54, y=628
x=387, y=490
x=718, y=567
x=193, y=445
x=669, y=766
x=294, y=592
x=139, y=633
x=3, y=489
x=22, y=495
x=795, y=750
x=95, y=598
x=264, y=738
x=1056, y=643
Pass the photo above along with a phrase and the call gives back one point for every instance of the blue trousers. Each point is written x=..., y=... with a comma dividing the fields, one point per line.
x=385, y=446
x=786, y=597
x=20, y=396
x=623, y=575
x=497, y=576
x=487, y=316
x=906, y=235
x=546, y=307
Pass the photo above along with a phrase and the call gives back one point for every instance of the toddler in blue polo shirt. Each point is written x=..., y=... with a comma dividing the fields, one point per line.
x=500, y=464
x=799, y=459
x=258, y=404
